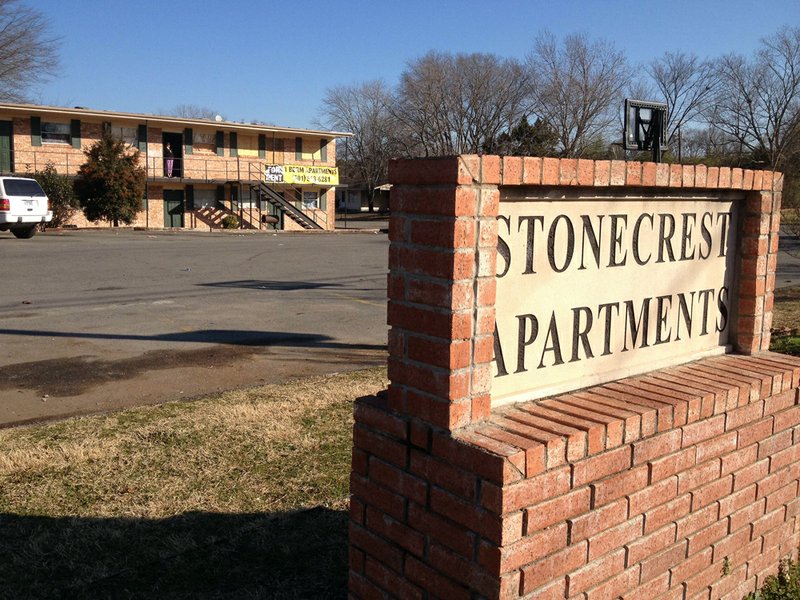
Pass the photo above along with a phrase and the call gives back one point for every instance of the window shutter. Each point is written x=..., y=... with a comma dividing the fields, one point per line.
x=323, y=150
x=142, y=138
x=75, y=133
x=106, y=126
x=221, y=195
x=323, y=200
x=262, y=146
x=298, y=148
x=190, y=197
x=234, y=138
x=220, y=143
x=188, y=140
x=36, y=131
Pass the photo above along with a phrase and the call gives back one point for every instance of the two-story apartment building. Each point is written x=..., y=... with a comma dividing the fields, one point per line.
x=268, y=177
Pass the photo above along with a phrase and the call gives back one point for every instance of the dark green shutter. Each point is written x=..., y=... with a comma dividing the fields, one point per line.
x=323, y=150
x=220, y=143
x=106, y=126
x=36, y=131
x=234, y=139
x=298, y=148
x=75, y=133
x=142, y=135
x=262, y=146
x=188, y=140
x=221, y=196
x=323, y=200
x=189, y=197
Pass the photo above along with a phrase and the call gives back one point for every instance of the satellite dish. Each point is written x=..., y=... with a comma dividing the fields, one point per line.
x=218, y=119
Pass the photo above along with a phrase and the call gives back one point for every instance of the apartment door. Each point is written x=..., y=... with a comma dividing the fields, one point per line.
x=173, y=208
x=5, y=146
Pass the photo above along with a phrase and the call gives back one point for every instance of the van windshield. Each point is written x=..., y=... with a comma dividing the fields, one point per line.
x=22, y=187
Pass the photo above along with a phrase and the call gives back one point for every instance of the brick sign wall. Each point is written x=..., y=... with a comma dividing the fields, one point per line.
x=666, y=477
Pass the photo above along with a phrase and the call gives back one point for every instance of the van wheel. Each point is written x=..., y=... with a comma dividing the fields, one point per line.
x=24, y=234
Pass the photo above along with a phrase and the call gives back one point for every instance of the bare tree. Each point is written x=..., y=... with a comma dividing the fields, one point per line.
x=687, y=85
x=577, y=88
x=192, y=111
x=758, y=99
x=451, y=104
x=363, y=110
x=28, y=53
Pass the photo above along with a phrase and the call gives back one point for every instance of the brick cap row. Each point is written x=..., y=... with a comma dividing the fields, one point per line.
x=472, y=169
x=535, y=436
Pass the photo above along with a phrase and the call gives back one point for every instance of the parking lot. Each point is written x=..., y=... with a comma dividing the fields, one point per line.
x=97, y=320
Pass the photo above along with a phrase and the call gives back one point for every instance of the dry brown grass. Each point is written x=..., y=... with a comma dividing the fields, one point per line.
x=89, y=504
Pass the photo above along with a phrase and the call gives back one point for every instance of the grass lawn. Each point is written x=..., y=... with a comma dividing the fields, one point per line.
x=238, y=496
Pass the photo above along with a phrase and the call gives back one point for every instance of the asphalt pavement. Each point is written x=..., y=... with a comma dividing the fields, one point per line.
x=98, y=320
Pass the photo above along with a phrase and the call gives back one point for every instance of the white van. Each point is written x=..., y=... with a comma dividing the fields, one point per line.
x=23, y=206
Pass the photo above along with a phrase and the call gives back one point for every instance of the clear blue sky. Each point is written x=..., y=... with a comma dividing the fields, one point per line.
x=272, y=61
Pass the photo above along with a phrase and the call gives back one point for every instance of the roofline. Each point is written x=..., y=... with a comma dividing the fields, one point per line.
x=79, y=111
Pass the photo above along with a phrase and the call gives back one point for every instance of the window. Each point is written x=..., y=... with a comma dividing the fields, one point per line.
x=298, y=148
x=126, y=134
x=205, y=198
x=323, y=150
x=22, y=187
x=310, y=200
x=56, y=133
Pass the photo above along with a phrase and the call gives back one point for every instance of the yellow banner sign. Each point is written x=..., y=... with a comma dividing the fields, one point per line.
x=301, y=175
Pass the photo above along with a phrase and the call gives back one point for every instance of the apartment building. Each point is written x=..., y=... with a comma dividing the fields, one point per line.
x=268, y=177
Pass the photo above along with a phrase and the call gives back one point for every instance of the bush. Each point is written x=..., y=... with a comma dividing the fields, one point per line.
x=783, y=586
x=230, y=222
x=59, y=192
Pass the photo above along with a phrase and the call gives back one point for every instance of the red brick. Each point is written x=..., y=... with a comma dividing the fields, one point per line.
x=568, y=174
x=360, y=587
x=457, y=538
x=769, y=521
x=737, y=500
x=633, y=173
x=558, y=509
x=663, y=412
x=555, y=446
x=381, y=446
x=376, y=547
x=389, y=580
x=615, y=537
x=666, y=513
x=672, y=464
x=787, y=418
x=530, y=549
x=717, y=446
x=653, y=495
x=782, y=496
x=595, y=432
x=695, y=433
x=431, y=580
x=693, y=564
x=705, y=538
x=618, y=584
x=711, y=492
x=526, y=493
x=443, y=474
x=397, y=480
x=697, y=520
x=737, y=460
x=730, y=544
x=576, y=439
x=631, y=415
x=649, y=545
x=601, y=465
x=466, y=514
x=757, y=431
x=470, y=458
x=617, y=486
x=614, y=428
x=550, y=171
x=785, y=457
x=371, y=493
x=535, y=458
x=584, y=526
x=697, y=476
x=553, y=567
x=464, y=571
x=440, y=200
x=595, y=572
x=652, y=589
x=781, y=401
x=663, y=561
x=532, y=170
x=750, y=474
x=657, y=446
x=731, y=584
x=745, y=516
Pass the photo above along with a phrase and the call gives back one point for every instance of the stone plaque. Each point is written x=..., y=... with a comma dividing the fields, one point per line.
x=592, y=290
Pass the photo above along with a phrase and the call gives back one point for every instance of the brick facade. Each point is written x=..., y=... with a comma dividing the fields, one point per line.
x=202, y=166
x=678, y=483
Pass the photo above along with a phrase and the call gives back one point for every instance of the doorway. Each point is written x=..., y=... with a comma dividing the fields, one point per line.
x=173, y=208
x=175, y=141
x=6, y=134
